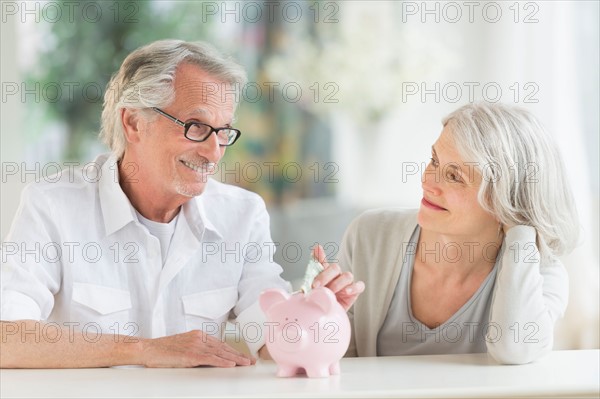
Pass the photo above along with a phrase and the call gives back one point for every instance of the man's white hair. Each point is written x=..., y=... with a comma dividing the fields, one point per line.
x=524, y=180
x=145, y=80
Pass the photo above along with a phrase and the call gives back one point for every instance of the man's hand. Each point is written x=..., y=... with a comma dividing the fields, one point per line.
x=342, y=284
x=191, y=349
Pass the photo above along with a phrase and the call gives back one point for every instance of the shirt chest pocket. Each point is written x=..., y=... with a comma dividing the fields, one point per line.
x=106, y=307
x=207, y=310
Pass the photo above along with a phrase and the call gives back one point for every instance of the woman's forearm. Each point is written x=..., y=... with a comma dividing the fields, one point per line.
x=528, y=299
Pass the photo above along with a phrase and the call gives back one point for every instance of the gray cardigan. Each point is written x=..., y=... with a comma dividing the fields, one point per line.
x=528, y=298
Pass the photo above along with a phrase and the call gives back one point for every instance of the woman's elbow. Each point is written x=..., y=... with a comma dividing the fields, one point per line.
x=519, y=353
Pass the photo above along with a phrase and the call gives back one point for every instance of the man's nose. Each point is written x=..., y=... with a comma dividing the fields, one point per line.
x=210, y=148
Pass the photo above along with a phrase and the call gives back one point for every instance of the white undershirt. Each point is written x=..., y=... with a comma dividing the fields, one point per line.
x=163, y=231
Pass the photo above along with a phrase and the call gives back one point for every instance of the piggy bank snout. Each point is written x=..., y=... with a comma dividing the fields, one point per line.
x=301, y=320
x=291, y=337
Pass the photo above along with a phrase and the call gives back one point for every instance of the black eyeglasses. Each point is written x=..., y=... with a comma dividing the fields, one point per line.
x=197, y=131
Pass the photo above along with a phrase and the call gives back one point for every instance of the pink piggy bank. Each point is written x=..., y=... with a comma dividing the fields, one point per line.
x=305, y=331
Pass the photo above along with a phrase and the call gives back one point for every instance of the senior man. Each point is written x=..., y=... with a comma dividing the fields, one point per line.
x=143, y=257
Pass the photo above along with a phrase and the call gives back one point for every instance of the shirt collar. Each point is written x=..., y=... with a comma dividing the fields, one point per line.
x=117, y=210
x=197, y=215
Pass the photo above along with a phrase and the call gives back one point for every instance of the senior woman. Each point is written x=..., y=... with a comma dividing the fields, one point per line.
x=475, y=269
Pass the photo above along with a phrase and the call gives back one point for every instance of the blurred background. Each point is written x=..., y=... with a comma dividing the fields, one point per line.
x=343, y=102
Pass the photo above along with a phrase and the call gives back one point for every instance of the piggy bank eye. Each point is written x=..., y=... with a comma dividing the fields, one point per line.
x=295, y=319
x=286, y=319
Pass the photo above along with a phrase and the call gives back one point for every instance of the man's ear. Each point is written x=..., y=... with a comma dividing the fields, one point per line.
x=131, y=122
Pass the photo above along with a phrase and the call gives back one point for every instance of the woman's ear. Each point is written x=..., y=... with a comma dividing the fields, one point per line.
x=131, y=122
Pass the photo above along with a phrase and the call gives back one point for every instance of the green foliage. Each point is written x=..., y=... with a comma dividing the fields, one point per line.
x=81, y=53
x=85, y=48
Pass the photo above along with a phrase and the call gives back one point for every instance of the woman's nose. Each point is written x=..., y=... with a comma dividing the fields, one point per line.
x=430, y=180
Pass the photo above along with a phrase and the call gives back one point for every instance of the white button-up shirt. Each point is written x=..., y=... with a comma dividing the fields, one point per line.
x=77, y=255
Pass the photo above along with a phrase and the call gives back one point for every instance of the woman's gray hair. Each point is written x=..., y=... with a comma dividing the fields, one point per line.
x=523, y=176
x=146, y=77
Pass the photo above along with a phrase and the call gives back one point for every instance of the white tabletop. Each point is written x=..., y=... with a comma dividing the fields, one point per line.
x=560, y=374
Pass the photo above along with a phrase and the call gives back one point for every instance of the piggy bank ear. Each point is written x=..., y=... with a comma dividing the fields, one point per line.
x=323, y=297
x=270, y=297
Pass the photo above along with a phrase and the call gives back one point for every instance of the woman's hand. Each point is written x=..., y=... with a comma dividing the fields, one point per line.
x=342, y=284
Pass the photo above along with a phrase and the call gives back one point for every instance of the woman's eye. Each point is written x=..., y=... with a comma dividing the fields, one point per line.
x=434, y=162
x=453, y=177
